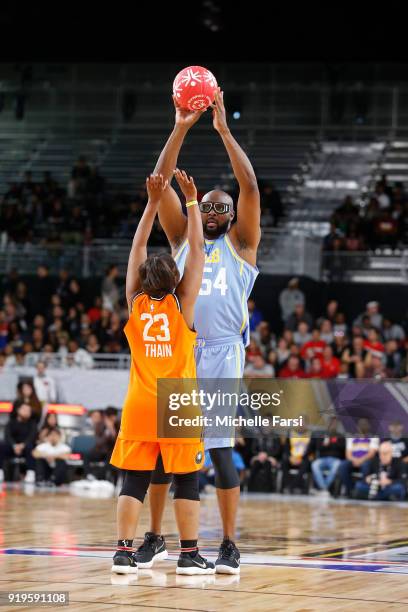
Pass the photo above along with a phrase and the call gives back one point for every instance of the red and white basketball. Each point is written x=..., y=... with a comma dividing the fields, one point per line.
x=194, y=88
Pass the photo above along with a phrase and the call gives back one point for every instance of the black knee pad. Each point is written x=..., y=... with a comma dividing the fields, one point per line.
x=136, y=483
x=186, y=486
x=226, y=475
x=159, y=476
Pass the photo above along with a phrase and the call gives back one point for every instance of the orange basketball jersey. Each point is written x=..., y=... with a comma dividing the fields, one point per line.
x=162, y=346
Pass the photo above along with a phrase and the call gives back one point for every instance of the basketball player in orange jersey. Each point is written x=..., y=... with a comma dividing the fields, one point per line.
x=161, y=339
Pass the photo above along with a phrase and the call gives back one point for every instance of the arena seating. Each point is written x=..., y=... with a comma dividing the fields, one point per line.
x=394, y=162
x=335, y=171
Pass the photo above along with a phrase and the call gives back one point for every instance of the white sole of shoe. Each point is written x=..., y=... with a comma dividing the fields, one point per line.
x=194, y=571
x=226, y=569
x=159, y=557
x=123, y=569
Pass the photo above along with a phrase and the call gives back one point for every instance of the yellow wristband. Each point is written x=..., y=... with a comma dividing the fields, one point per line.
x=191, y=203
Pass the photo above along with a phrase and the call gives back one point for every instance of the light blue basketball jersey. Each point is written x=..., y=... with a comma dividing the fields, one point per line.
x=221, y=309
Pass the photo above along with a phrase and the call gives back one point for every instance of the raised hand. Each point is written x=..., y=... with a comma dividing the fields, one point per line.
x=155, y=185
x=186, y=118
x=219, y=114
x=186, y=184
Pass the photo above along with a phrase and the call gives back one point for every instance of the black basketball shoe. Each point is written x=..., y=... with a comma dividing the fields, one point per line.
x=124, y=562
x=192, y=565
x=228, y=558
x=153, y=549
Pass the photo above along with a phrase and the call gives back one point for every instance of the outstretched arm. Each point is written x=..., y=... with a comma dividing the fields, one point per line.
x=156, y=186
x=247, y=228
x=171, y=215
x=189, y=286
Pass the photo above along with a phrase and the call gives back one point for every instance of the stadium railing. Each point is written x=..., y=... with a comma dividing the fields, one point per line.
x=293, y=250
x=381, y=265
x=94, y=361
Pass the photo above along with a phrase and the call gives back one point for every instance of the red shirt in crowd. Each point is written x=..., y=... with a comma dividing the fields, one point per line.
x=94, y=314
x=288, y=373
x=316, y=375
x=374, y=347
x=317, y=347
x=331, y=368
x=3, y=334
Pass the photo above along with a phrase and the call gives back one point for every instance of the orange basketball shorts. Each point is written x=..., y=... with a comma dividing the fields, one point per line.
x=177, y=458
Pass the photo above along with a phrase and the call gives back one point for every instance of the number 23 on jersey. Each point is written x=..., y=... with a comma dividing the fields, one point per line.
x=151, y=319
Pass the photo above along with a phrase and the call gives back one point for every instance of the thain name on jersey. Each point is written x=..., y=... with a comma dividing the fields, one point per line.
x=158, y=350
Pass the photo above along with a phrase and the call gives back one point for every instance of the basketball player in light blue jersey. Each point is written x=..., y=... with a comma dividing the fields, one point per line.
x=221, y=313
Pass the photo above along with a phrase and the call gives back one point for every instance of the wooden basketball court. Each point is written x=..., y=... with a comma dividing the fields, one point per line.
x=298, y=554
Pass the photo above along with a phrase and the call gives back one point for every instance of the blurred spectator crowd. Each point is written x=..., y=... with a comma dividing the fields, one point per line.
x=323, y=463
x=56, y=318
x=34, y=446
x=382, y=222
x=48, y=214
x=328, y=345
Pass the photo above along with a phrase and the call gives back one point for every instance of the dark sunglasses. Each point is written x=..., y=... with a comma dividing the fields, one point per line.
x=219, y=207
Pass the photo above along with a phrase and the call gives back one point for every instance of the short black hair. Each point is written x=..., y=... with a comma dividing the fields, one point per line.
x=159, y=275
x=111, y=411
x=20, y=403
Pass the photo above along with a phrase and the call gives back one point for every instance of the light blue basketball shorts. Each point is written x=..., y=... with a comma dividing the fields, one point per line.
x=215, y=359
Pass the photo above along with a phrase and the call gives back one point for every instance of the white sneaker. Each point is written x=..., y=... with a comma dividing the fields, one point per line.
x=1, y=475
x=30, y=476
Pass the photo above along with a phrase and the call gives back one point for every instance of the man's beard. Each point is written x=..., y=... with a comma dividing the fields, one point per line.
x=217, y=231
